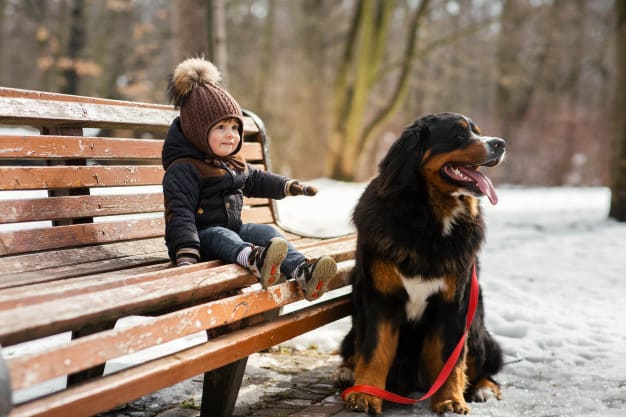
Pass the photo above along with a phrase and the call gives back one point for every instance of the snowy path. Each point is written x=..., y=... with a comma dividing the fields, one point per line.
x=553, y=273
x=554, y=282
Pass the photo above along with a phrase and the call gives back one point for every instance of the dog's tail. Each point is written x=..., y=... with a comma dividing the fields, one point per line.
x=493, y=355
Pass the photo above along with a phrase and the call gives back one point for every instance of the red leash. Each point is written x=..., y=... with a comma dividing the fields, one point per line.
x=447, y=367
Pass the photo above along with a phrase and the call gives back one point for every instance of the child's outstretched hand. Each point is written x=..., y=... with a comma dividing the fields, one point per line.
x=295, y=187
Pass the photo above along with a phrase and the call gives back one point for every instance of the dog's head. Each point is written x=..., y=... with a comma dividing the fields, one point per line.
x=445, y=152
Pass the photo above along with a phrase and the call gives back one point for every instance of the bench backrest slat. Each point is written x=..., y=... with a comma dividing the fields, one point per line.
x=25, y=108
x=56, y=177
x=38, y=209
x=70, y=207
x=13, y=242
x=73, y=147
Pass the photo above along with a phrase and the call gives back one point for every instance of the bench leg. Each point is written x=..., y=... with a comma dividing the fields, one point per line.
x=221, y=386
x=220, y=389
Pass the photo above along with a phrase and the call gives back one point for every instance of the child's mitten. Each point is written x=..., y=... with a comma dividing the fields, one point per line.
x=295, y=187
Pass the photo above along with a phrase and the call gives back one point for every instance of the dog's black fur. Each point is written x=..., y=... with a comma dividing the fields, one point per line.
x=420, y=229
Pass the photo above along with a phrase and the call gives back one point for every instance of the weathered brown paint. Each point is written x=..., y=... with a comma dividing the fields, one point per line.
x=100, y=395
x=21, y=323
x=54, y=177
x=82, y=277
x=71, y=147
x=93, y=350
x=48, y=109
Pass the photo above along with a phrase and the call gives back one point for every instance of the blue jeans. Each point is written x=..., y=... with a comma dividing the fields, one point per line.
x=225, y=244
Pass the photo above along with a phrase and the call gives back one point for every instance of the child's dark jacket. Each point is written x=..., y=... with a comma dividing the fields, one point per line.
x=201, y=191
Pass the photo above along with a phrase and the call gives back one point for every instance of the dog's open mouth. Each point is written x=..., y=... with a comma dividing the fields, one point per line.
x=470, y=178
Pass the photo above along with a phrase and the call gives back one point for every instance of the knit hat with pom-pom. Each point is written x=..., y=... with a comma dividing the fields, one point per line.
x=195, y=88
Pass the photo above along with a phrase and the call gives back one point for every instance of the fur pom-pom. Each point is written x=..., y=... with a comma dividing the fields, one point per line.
x=189, y=74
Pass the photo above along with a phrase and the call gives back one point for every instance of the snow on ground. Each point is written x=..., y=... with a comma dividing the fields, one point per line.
x=553, y=277
x=554, y=282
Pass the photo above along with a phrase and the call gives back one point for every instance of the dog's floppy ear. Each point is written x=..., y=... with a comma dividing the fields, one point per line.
x=398, y=169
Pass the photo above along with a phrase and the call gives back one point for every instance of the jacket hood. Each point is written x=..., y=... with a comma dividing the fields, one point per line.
x=177, y=146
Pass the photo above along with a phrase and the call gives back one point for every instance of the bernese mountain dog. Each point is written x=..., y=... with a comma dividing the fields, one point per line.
x=419, y=231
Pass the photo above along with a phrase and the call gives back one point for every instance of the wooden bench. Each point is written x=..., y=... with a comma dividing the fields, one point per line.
x=81, y=246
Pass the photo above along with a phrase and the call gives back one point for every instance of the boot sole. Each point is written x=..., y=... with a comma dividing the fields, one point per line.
x=276, y=253
x=324, y=272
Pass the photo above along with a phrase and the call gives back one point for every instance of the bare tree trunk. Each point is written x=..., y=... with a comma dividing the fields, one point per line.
x=341, y=95
x=76, y=43
x=517, y=85
x=267, y=42
x=190, y=29
x=351, y=133
x=618, y=172
x=3, y=4
x=361, y=59
x=218, y=43
x=402, y=85
x=509, y=44
x=572, y=92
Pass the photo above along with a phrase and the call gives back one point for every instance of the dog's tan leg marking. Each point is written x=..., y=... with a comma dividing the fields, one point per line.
x=385, y=277
x=374, y=372
x=450, y=396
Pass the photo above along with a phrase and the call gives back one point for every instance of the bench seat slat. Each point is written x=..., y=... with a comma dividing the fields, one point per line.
x=120, y=266
x=75, y=312
x=90, y=351
x=97, y=396
x=140, y=293
x=46, y=266
x=12, y=266
x=340, y=249
x=39, y=292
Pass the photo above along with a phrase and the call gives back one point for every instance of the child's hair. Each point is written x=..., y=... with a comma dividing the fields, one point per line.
x=194, y=88
x=230, y=119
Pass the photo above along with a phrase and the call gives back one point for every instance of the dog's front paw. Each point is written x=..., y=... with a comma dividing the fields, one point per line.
x=364, y=402
x=454, y=406
x=483, y=390
x=343, y=377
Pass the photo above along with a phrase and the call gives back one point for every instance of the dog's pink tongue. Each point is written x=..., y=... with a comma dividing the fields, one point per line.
x=484, y=184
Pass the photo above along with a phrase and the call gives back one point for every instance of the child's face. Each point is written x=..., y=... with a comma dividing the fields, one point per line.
x=224, y=137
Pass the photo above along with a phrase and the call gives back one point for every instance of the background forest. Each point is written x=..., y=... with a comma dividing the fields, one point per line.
x=337, y=80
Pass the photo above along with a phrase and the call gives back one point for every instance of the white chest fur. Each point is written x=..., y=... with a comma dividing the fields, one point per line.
x=419, y=290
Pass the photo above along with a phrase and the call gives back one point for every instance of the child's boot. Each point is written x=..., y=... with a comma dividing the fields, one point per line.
x=315, y=275
x=265, y=262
